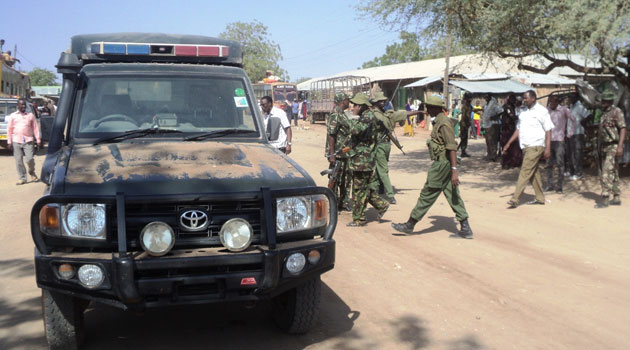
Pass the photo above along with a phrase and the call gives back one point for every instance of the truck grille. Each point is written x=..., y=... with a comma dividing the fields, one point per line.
x=140, y=214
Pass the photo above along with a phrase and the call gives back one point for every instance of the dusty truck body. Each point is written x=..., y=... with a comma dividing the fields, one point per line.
x=322, y=93
x=163, y=190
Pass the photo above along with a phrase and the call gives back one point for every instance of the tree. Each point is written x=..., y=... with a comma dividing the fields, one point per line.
x=259, y=52
x=42, y=77
x=408, y=50
x=598, y=30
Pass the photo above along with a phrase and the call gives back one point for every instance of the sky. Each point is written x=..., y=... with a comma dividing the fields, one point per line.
x=317, y=38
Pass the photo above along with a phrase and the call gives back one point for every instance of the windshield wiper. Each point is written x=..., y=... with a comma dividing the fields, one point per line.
x=134, y=134
x=219, y=133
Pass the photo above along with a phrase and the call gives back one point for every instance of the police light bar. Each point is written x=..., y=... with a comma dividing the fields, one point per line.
x=115, y=48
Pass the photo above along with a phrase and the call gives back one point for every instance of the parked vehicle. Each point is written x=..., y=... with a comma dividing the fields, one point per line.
x=323, y=92
x=162, y=189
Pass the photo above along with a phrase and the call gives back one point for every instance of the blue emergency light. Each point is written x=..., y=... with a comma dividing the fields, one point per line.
x=109, y=48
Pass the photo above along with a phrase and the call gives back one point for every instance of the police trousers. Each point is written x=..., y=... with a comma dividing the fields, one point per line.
x=439, y=181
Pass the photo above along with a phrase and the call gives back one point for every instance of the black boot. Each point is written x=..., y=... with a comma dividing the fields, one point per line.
x=465, y=231
x=615, y=201
x=603, y=204
x=405, y=227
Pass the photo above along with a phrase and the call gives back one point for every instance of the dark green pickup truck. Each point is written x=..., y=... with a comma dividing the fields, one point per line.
x=162, y=189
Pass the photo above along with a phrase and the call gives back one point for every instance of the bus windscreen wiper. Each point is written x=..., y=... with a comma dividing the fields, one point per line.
x=134, y=134
x=219, y=133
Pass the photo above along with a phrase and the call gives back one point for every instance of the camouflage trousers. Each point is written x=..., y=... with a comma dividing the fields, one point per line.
x=343, y=183
x=362, y=194
x=609, y=174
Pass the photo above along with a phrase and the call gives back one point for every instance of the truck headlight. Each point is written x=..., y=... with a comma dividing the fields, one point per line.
x=83, y=220
x=301, y=213
x=236, y=234
x=157, y=238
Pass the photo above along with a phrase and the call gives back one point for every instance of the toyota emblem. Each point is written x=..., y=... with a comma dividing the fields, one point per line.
x=194, y=220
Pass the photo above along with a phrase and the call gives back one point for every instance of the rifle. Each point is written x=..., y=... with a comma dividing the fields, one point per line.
x=333, y=170
x=391, y=136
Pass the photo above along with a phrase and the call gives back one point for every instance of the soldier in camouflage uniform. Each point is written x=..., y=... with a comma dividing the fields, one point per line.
x=442, y=176
x=338, y=137
x=610, y=138
x=386, y=123
x=364, y=132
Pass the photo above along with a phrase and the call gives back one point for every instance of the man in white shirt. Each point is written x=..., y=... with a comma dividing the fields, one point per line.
x=277, y=125
x=534, y=134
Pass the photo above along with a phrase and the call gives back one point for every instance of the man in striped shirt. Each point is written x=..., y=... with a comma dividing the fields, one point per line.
x=22, y=131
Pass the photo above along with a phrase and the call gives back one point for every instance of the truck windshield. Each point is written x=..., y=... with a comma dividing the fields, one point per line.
x=112, y=105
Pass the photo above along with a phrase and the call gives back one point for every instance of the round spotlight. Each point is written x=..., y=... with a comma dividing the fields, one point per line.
x=314, y=256
x=157, y=238
x=91, y=276
x=66, y=271
x=295, y=263
x=236, y=234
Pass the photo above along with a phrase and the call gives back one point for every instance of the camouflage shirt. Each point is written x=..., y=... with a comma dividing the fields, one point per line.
x=609, y=124
x=338, y=127
x=364, y=134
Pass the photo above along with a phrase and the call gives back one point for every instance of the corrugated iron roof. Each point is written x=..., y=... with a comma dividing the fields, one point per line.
x=425, y=81
x=491, y=86
x=542, y=79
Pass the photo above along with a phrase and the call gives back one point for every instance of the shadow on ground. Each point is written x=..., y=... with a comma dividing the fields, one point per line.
x=14, y=315
x=228, y=326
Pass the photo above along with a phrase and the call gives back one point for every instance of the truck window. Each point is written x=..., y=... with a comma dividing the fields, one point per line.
x=115, y=104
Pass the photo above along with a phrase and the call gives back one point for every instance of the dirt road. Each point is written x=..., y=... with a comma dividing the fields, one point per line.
x=536, y=277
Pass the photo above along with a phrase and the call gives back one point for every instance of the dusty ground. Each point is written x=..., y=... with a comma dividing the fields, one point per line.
x=536, y=277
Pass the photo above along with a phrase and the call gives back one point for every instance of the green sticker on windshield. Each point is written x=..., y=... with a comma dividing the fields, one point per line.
x=239, y=92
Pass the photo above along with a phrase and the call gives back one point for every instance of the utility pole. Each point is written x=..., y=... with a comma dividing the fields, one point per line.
x=446, y=69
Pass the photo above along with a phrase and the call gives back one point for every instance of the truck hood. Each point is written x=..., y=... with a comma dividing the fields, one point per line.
x=176, y=168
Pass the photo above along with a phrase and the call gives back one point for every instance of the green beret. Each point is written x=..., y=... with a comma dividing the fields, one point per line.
x=434, y=101
x=340, y=96
x=360, y=99
x=608, y=95
x=378, y=96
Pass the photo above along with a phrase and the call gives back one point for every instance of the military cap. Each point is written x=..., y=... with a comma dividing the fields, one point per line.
x=378, y=96
x=360, y=99
x=608, y=95
x=340, y=96
x=434, y=101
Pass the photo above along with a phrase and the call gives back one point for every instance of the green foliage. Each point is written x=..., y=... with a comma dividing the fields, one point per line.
x=260, y=53
x=598, y=30
x=411, y=49
x=42, y=77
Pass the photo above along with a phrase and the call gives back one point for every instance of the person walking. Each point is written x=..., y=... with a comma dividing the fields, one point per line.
x=442, y=176
x=386, y=123
x=364, y=137
x=338, y=137
x=295, y=111
x=610, y=137
x=464, y=123
x=533, y=132
x=277, y=126
x=22, y=132
x=559, y=116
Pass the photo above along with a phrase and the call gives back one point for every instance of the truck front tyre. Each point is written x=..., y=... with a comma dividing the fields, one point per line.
x=63, y=320
x=297, y=310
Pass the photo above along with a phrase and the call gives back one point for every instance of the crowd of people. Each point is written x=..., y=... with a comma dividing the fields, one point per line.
x=520, y=132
